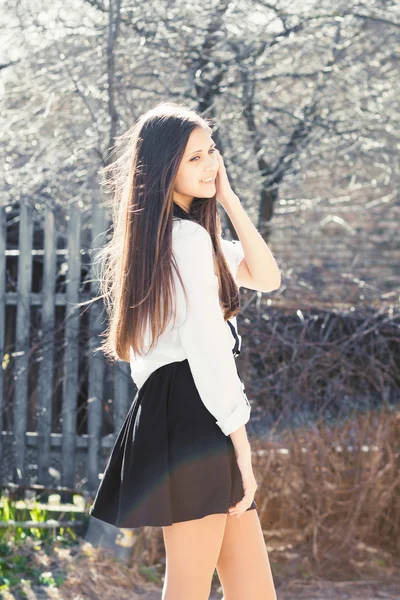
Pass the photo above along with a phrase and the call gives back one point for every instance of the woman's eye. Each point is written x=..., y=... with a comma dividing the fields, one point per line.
x=211, y=150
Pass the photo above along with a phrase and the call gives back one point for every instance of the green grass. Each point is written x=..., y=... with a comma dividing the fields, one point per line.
x=20, y=547
x=19, y=568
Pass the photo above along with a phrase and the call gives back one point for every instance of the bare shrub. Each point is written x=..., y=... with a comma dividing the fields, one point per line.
x=335, y=498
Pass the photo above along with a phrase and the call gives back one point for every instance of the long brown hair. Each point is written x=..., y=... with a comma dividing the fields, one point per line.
x=136, y=278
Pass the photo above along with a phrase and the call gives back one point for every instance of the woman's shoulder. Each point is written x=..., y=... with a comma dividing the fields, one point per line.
x=185, y=229
x=191, y=243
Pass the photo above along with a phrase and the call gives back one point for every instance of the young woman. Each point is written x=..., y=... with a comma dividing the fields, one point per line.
x=182, y=459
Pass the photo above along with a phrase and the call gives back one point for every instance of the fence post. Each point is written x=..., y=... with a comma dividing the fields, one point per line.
x=71, y=352
x=22, y=335
x=3, y=241
x=45, y=378
x=95, y=360
x=124, y=390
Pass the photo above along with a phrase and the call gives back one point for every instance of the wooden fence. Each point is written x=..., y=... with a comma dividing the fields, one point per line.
x=46, y=349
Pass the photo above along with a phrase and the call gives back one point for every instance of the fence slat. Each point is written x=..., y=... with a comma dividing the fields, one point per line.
x=21, y=364
x=3, y=238
x=71, y=351
x=36, y=299
x=123, y=392
x=96, y=360
x=82, y=440
x=45, y=382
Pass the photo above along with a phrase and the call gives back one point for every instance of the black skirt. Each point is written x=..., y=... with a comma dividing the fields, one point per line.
x=170, y=462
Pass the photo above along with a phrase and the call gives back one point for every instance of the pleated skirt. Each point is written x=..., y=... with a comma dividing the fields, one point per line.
x=170, y=462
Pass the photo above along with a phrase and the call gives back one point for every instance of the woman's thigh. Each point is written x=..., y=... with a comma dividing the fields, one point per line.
x=243, y=564
x=192, y=549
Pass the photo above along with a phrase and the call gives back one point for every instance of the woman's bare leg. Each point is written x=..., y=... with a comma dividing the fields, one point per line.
x=192, y=549
x=243, y=565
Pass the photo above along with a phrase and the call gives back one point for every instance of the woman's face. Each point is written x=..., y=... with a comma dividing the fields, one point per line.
x=199, y=162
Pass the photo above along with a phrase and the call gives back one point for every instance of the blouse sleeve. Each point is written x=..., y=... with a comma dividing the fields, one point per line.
x=234, y=254
x=205, y=335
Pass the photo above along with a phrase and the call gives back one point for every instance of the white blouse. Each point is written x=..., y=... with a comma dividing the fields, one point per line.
x=200, y=334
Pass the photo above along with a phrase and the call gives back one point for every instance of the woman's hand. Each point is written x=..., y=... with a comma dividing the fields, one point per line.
x=249, y=485
x=224, y=191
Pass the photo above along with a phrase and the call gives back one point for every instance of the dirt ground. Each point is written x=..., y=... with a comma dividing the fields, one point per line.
x=371, y=590
x=90, y=573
